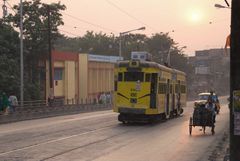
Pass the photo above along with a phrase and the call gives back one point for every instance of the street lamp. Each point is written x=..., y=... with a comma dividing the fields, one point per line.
x=123, y=33
x=221, y=6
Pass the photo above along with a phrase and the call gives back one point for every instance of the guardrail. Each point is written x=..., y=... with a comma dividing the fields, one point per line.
x=39, y=109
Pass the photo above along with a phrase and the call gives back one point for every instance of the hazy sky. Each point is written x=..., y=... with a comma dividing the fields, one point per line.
x=190, y=19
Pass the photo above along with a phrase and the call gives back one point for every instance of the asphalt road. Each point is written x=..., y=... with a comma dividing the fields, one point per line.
x=99, y=136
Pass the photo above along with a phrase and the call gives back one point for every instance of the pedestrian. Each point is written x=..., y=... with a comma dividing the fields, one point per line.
x=108, y=97
x=13, y=101
x=5, y=103
x=99, y=98
x=1, y=104
x=103, y=98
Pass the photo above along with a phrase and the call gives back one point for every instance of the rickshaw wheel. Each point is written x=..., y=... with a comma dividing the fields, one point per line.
x=190, y=126
x=204, y=129
x=213, y=132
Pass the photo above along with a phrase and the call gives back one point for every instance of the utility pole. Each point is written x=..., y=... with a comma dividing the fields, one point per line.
x=4, y=8
x=120, y=44
x=235, y=82
x=21, y=55
x=50, y=56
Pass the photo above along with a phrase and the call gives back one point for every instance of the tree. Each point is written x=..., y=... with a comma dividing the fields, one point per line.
x=35, y=33
x=9, y=59
x=96, y=43
x=133, y=42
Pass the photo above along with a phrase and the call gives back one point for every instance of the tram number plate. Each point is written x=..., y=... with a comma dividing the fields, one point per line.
x=133, y=94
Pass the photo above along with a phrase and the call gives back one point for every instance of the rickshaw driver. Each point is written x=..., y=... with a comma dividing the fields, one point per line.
x=211, y=106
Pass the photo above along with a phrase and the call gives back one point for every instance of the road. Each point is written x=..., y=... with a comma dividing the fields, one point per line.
x=98, y=136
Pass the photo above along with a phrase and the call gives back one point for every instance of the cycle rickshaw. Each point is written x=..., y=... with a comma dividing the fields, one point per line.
x=202, y=117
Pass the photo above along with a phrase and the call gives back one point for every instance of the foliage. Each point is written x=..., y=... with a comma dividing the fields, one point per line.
x=35, y=33
x=101, y=44
x=35, y=25
x=97, y=43
x=9, y=60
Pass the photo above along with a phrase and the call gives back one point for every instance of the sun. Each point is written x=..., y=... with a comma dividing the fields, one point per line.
x=195, y=16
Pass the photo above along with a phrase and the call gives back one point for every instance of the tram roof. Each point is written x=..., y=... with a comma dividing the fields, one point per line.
x=125, y=63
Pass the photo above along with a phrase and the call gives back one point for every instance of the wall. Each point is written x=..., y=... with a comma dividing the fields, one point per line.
x=84, y=76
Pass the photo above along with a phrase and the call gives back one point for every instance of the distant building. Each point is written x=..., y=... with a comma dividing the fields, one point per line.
x=80, y=78
x=211, y=70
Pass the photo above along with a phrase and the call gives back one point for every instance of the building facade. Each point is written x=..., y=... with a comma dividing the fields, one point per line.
x=211, y=71
x=80, y=77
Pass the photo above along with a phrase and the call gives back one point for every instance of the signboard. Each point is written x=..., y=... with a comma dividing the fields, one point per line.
x=102, y=58
x=236, y=111
x=202, y=70
x=236, y=101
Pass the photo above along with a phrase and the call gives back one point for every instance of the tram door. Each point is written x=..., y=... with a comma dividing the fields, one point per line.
x=167, y=95
x=153, y=92
x=178, y=96
x=173, y=97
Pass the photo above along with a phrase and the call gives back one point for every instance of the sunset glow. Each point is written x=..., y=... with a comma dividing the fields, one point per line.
x=195, y=16
x=115, y=16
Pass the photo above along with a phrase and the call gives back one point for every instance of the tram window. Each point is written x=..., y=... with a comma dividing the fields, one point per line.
x=120, y=77
x=147, y=77
x=183, y=89
x=115, y=85
x=162, y=88
x=177, y=88
x=133, y=76
x=171, y=88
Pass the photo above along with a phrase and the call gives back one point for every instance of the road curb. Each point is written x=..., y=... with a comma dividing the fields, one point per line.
x=44, y=112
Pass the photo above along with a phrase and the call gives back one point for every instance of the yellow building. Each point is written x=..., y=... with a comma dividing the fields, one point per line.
x=80, y=78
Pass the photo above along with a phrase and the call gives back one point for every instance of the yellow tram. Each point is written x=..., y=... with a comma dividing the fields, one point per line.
x=148, y=91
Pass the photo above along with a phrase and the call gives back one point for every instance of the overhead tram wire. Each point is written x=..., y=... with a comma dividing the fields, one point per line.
x=70, y=33
x=81, y=20
x=90, y=23
x=9, y=5
x=129, y=15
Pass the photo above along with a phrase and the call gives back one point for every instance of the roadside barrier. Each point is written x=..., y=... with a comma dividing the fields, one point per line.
x=40, y=109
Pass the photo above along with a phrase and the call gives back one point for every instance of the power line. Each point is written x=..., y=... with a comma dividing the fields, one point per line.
x=90, y=23
x=133, y=17
x=11, y=7
x=67, y=32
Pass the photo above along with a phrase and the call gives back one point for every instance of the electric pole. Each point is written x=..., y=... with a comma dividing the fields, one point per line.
x=21, y=56
x=50, y=55
x=235, y=82
x=4, y=8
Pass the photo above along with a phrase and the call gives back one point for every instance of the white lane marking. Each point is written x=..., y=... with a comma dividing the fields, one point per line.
x=52, y=141
x=58, y=122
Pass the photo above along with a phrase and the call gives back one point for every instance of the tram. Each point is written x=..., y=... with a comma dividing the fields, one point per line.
x=147, y=91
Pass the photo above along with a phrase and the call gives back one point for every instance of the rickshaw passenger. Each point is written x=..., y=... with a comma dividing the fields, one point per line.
x=211, y=98
x=210, y=106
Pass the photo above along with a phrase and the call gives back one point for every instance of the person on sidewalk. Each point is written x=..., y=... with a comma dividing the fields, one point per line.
x=5, y=103
x=13, y=101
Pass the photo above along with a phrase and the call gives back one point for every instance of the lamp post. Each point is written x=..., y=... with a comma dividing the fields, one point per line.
x=21, y=54
x=123, y=33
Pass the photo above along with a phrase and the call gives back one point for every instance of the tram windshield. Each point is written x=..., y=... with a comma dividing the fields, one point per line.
x=133, y=76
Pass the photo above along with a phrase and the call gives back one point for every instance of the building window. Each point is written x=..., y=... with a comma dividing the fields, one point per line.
x=58, y=74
